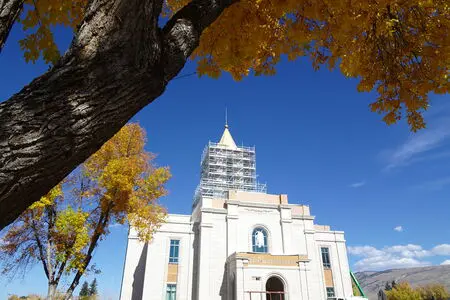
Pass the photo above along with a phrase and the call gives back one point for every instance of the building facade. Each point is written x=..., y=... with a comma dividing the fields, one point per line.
x=239, y=243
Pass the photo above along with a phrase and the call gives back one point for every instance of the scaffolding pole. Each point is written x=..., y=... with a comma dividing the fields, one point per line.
x=224, y=169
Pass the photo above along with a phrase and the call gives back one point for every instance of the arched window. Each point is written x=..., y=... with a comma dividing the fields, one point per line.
x=274, y=289
x=259, y=240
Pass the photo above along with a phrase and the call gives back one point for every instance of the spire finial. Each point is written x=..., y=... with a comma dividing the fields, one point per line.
x=226, y=117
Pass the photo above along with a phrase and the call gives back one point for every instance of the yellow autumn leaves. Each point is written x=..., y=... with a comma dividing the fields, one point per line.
x=127, y=183
x=398, y=48
x=429, y=292
x=71, y=236
x=39, y=20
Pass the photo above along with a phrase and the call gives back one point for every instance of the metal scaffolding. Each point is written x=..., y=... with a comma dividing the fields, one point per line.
x=225, y=168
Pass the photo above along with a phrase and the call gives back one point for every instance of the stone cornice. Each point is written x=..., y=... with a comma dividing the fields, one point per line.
x=214, y=210
x=303, y=217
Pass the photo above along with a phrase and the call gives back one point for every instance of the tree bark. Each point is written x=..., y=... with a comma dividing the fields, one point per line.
x=51, y=292
x=118, y=62
x=45, y=262
x=9, y=11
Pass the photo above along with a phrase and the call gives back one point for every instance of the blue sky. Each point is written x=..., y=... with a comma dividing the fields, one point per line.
x=316, y=140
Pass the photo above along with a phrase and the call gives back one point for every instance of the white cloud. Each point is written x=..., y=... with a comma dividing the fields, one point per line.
x=443, y=249
x=445, y=262
x=384, y=263
x=409, y=250
x=364, y=251
x=357, y=184
x=398, y=228
x=397, y=256
x=418, y=144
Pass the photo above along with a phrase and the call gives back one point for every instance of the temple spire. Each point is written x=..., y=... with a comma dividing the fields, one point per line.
x=226, y=139
x=226, y=118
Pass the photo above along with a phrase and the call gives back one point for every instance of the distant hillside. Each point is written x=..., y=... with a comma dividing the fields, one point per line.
x=372, y=282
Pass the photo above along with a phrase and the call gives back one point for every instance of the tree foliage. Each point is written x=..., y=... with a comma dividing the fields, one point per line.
x=38, y=20
x=403, y=291
x=118, y=184
x=84, y=291
x=355, y=289
x=93, y=288
x=434, y=292
x=29, y=297
x=400, y=49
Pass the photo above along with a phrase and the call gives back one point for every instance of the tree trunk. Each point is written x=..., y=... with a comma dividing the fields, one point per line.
x=9, y=11
x=51, y=293
x=119, y=61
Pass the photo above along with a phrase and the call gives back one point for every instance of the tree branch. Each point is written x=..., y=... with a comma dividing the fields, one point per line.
x=41, y=249
x=181, y=34
x=119, y=62
x=60, y=271
x=61, y=118
x=98, y=231
x=9, y=11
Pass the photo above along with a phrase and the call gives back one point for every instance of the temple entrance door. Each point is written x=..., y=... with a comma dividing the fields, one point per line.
x=274, y=289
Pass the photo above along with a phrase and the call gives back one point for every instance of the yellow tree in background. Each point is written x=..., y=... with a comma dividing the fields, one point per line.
x=118, y=184
x=403, y=291
x=434, y=292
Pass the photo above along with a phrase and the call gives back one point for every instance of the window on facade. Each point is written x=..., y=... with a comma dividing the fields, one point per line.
x=259, y=240
x=330, y=292
x=326, y=258
x=171, y=292
x=174, y=250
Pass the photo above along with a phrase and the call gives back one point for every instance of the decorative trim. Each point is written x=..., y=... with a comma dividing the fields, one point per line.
x=179, y=215
x=253, y=204
x=286, y=206
x=330, y=231
x=232, y=202
x=262, y=267
x=214, y=210
x=206, y=225
x=177, y=232
x=286, y=221
x=177, y=222
x=330, y=241
x=303, y=217
x=267, y=259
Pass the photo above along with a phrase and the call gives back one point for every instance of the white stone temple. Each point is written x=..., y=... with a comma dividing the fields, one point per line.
x=239, y=243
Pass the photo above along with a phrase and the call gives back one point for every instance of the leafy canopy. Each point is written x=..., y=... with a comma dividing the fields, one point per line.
x=400, y=49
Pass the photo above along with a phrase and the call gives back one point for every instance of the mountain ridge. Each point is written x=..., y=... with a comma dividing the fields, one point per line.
x=372, y=281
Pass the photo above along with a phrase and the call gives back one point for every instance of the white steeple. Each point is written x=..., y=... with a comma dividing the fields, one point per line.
x=226, y=139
